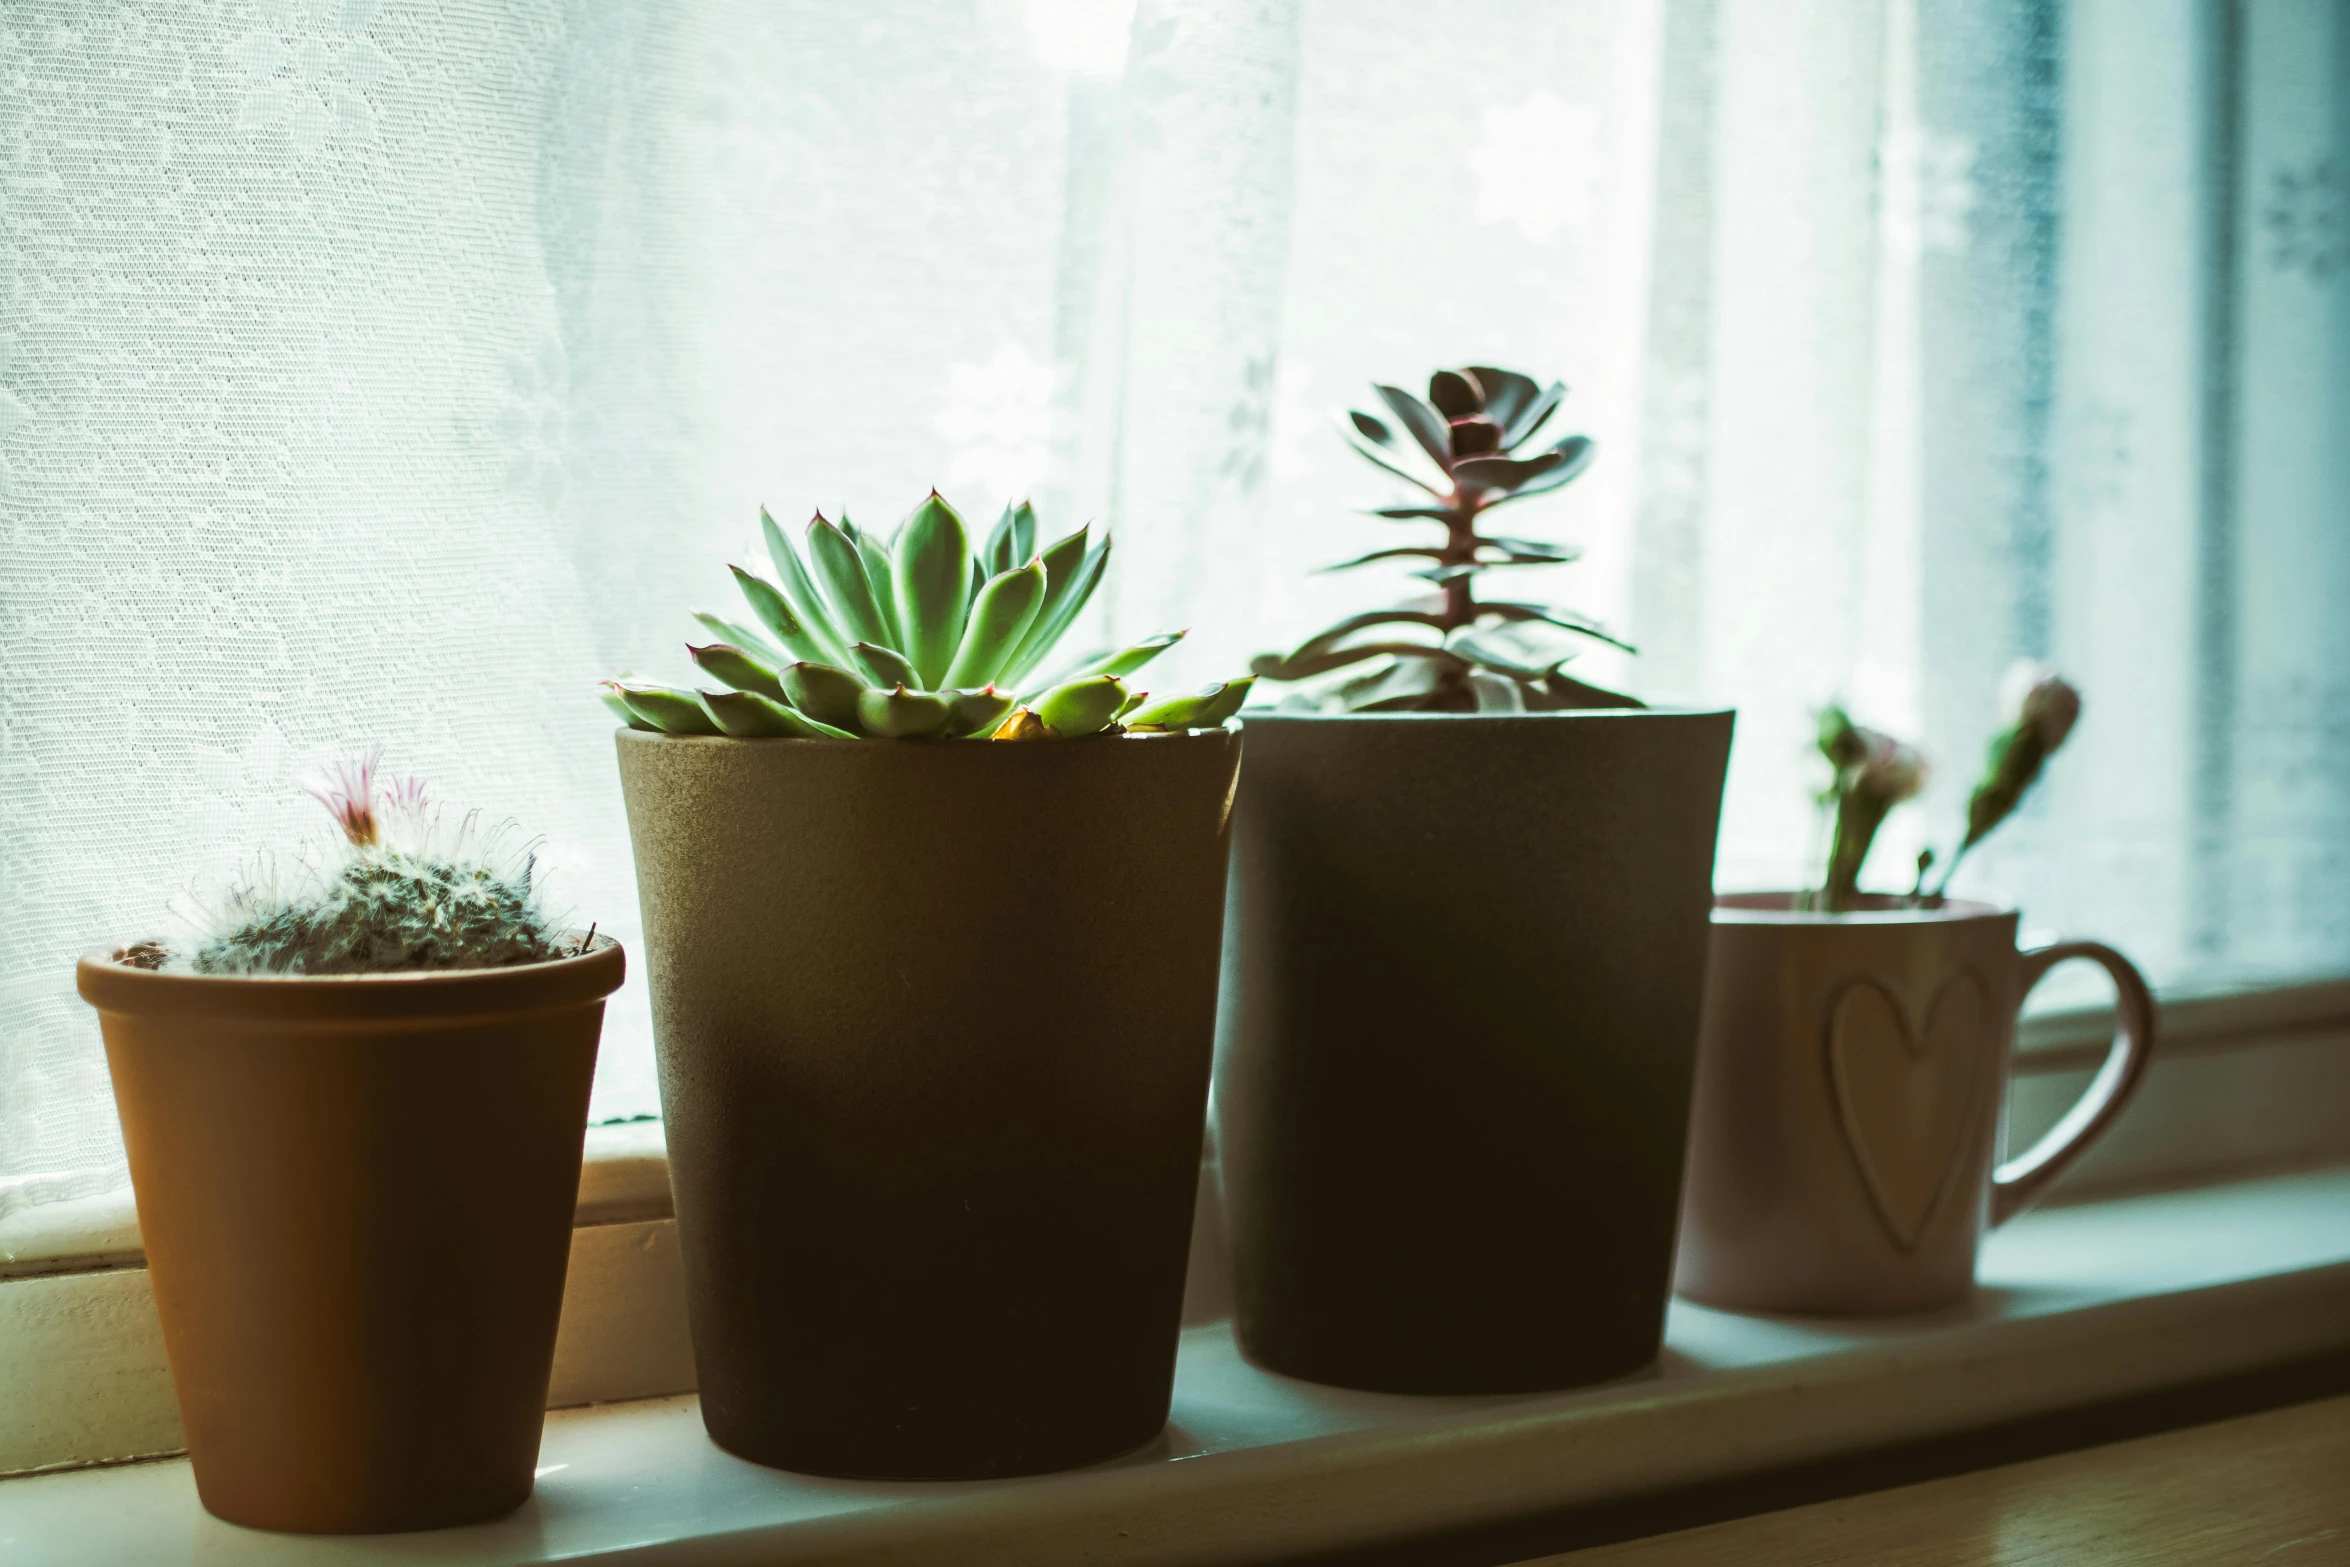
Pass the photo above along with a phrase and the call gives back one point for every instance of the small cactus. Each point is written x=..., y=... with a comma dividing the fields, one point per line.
x=403, y=895
x=915, y=637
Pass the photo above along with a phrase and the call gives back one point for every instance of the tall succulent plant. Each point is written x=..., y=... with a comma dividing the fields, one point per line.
x=1451, y=651
x=916, y=637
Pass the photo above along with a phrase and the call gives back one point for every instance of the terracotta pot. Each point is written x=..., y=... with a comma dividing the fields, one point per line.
x=1467, y=958
x=356, y=1196
x=1851, y=1086
x=934, y=1023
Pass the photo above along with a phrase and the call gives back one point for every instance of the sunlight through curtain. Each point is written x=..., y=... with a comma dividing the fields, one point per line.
x=390, y=370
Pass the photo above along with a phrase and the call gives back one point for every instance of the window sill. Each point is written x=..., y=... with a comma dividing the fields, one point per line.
x=2253, y=1082
x=625, y=1176
x=2081, y=1302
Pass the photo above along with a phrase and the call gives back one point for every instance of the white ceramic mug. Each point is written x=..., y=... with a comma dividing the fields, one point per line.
x=1851, y=1083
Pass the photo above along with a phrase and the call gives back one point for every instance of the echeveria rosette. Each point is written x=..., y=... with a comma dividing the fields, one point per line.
x=918, y=637
x=1874, y=773
x=1471, y=446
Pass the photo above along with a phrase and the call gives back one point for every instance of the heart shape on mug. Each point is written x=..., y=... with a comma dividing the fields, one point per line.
x=1905, y=1095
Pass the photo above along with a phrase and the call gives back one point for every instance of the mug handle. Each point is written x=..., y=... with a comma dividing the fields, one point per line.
x=2019, y=1183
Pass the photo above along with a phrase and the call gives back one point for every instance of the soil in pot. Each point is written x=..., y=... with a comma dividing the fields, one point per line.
x=1468, y=958
x=356, y=1196
x=934, y=1023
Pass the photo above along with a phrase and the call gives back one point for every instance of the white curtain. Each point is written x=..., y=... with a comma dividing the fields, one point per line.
x=390, y=370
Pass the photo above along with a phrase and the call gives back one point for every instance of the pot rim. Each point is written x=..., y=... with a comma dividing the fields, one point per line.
x=1778, y=908
x=1274, y=715
x=440, y=994
x=927, y=743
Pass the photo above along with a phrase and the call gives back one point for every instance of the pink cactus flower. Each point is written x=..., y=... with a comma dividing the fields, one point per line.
x=348, y=793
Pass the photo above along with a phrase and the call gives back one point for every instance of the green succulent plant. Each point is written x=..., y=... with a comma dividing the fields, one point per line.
x=404, y=895
x=1451, y=651
x=916, y=637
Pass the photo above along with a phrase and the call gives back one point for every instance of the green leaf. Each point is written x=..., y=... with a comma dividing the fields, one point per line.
x=1124, y=661
x=996, y=553
x=1456, y=396
x=1373, y=455
x=1496, y=693
x=1574, y=454
x=1562, y=619
x=1023, y=534
x=1423, y=551
x=901, y=714
x=1444, y=514
x=742, y=636
x=666, y=708
x=1518, y=430
x=1331, y=637
x=1425, y=424
x=1502, y=473
x=1081, y=707
x=885, y=667
x=975, y=714
x=1203, y=709
x=1000, y=618
x=825, y=692
x=746, y=715
x=1305, y=666
x=1566, y=692
x=1444, y=574
x=776, y=614
x=737, y=668
x=840, y=569
x=1134, y=699
x=610, y=697
x=1404, y=683
x=799, y=590
x=880, y=579
x=1372, y=428
x=1532, y=551
x=933, y=586
x=1493, y=653
x=1072, y=572
x=1507, y=393
x=1223, y=700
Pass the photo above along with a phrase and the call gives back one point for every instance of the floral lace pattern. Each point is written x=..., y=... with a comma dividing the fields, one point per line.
x=389, y=370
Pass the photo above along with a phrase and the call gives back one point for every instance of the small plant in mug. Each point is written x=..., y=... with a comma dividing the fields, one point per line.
x=1873, y=772
x=400, y=891
x=917, y=637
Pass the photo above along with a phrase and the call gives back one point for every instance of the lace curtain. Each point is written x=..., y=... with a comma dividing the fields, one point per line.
x=389, y=370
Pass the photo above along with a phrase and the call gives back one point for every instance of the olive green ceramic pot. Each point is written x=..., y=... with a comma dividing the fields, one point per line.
x=356, y=1194
x=934, y=1023
x=1467, y=959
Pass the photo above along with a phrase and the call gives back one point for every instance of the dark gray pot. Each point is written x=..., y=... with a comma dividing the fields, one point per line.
x=1467, y=956
x=934, y=1022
